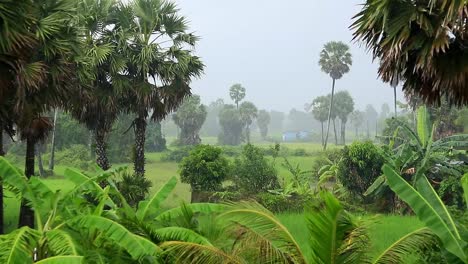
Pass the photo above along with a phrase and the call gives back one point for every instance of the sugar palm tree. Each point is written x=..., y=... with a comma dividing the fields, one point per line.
x=248, y=112
x=335, y=60
x=96, y=106
x=423, y=42
x=41, y=59
x=158, y=47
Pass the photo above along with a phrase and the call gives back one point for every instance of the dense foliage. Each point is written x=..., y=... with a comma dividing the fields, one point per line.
x=252, y=172
x=204, y=169
x=359, y=167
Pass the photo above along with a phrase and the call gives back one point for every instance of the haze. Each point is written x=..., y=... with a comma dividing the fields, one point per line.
x=272, y=48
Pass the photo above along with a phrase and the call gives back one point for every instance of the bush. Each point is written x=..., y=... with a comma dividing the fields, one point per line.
x=231, y=151
x=76, y=156
x=177, y=155
x=280, y=204
x=252, y=171
x=133, y=188
x=359, y=166
x=204, y=169
x=324, y=158
x=300, y=152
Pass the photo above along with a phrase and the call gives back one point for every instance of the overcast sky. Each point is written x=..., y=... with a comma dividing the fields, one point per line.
x=272, y=48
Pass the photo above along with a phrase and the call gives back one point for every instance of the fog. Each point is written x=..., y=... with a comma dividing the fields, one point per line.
x=272, y=48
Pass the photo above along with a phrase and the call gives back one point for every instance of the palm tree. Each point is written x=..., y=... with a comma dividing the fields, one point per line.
x=335, y=61
x=97, y=105
x=41, y=54
x=423, y=42
x=320, y=106
x=248, y=112
x=237, y=93
x=156, y=47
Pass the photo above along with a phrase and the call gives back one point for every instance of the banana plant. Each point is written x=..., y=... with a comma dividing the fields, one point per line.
x=420, y=151
x=430, y=209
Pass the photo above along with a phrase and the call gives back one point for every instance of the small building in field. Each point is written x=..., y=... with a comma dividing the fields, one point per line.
x=292, y=136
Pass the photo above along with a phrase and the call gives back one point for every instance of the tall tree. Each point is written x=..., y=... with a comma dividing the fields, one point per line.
x=320, y=108
x=263, y=120
x=344, y=107
x=41, y=46
x=211, y=126
x=357, y=118
x=232, y=126
x=423, y=42
x=159, y=47
x=53, y=142
x=335, y=60
x=237, y=93
x=98, y=106
x=248, y=112
x=371, y=119
x=190, y=118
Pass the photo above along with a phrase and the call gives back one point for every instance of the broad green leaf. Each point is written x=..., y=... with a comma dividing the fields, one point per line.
x=175, y=233
x=426, y=212
x=423, y=126
x=377, y=184
x=62, y=260
x=18, y=246
x=145, y=207
x=136, y=246
x=424, y=187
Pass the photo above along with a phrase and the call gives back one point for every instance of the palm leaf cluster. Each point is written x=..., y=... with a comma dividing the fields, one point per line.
x=422, y=43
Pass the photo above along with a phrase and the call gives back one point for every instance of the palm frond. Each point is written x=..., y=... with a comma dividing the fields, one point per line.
x=255, y=224
x=179, y=234
x=60, y=242
x=408, y=245
x=186, y=252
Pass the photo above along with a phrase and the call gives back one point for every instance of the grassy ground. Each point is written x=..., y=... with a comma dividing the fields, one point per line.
x=383, y=230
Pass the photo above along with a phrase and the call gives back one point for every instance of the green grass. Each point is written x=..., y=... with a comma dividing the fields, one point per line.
x=383, y=230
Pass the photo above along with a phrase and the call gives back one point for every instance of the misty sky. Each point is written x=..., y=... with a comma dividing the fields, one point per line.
x=272, y=48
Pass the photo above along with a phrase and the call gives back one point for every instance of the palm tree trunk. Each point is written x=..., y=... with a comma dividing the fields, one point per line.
x=394, y=100
x=343, y=132
x=357, y=133
x=101, y=150
x=334, y=132
x=247, y=134
x=322, y=134
x=329, y=115
x=140, y=130
x=40, y=164
x=90, y=144
x=2, y=153
x=52, y=144
x=26, y=217
x=368, y=131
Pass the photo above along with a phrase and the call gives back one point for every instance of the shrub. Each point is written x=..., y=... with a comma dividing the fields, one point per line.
x=324, y=158
x=231, y=151
x=178, y=154
x=252, y=171
x=76, y=156
x=133, y=188
x=359, y=166
x=204, y=169
x=280, y=204
x=300, y=152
